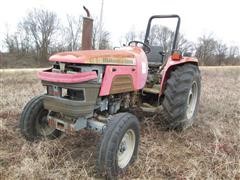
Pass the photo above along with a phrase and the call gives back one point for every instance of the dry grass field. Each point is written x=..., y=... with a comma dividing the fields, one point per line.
x=208, y=150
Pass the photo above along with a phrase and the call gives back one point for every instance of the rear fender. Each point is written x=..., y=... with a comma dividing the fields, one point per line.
x=171, y=65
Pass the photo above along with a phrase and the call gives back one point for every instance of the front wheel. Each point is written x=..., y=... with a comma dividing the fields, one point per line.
x=181, y=97
x=119, y=145
x=33, y=121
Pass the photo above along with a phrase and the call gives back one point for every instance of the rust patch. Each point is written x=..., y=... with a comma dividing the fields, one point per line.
x=121, y=83
x=123, y=57
x=87, y=33
x=65, y=127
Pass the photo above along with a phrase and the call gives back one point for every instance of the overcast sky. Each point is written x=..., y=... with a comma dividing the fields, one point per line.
x=220, y=17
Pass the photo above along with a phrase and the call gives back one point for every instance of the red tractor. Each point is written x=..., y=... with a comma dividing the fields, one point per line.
x=101, y=89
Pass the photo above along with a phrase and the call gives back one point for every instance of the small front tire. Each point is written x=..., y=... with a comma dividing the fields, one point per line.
x=119, y=145
x=33, y=121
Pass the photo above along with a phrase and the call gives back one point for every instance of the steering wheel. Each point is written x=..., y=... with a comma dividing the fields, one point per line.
x=146, y=47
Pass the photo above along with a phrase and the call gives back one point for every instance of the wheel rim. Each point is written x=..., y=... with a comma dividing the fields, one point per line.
x=42, y=126
x=192, y=100
x=126, y=148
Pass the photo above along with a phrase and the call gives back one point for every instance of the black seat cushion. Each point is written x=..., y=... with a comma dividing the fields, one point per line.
x=155, y=57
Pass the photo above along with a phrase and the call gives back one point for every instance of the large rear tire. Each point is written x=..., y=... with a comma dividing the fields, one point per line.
x=33, y=121
x=181, y=97
x=119, y=145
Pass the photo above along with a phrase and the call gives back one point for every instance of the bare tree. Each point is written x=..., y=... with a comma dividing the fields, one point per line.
x=212, y=52
x=41, y=24
x=184, y=45
x=8, y=40
x=24, y=40
x=233, y=51
x=162, y=36
x=220, y=52
x=165, y=38
x=205, y=49
x=95, y=34
x=105, y=37
x=39, y=33
x=233, y=57
x=17, y=43
x=10, y=43
x=130, y=36
x=73, y=32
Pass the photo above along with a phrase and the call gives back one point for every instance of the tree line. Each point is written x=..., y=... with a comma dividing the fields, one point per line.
x=41, y=33
x=207, y=49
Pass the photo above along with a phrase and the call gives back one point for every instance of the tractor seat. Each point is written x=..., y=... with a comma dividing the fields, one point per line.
x=155, y=57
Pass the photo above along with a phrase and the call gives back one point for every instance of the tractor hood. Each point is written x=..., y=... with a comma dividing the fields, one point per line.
x=125, y=56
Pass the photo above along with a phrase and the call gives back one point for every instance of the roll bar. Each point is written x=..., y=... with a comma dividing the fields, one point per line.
x=159, y=17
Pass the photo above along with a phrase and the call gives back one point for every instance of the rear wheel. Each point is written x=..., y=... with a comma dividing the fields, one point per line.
x=181, y=97
x=33, y=121
x=119, y=145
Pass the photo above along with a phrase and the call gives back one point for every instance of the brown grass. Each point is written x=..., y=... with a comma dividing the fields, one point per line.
x=11, y=60
x=210, y=149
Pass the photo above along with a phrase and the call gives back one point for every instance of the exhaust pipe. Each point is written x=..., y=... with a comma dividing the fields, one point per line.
x=87, y=31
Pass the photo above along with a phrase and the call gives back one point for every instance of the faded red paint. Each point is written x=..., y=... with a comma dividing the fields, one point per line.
x=171, y=63
x=116, y=57
x=67, y=78
x=136, y=68
x=137, y=72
